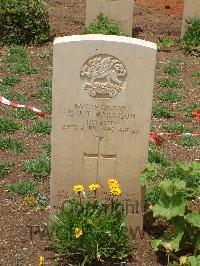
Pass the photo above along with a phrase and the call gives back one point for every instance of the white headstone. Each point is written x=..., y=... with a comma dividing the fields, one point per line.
x=191, y=10
x=102, y=101
x=120, y=11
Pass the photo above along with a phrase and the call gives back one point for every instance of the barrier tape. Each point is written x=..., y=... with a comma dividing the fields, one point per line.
x=196, y=113
x=17, y=105
x=154, y=136
x=158, y=138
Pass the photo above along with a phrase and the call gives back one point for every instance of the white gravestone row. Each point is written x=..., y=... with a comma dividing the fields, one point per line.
x=102, y=101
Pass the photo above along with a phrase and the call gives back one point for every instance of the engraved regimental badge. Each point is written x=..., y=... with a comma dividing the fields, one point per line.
x=103, y=76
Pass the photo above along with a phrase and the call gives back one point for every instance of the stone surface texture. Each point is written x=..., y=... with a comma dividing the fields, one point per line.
x=120, y=11
x=191, y=9
x=102, y=101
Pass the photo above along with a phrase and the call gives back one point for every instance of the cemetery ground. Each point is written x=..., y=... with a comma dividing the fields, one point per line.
x=25, y=136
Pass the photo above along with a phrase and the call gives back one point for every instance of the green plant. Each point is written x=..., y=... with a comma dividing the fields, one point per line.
x=159, y=112
x=48, y=108
x=168, y=83
x=39, y=168
x=171, y=69
x=189, y=172
x=12, y=144
x=45, y=93
x=23, y=113
x=185, y=224
x=191, y=40
x=12, y=95
x=157, y=157
x=23, y=188
x=91, y=231
x=7, y=125
x=24, y=21
x=103, y=25
x=176, y=127
x=164, y=44
x=196, y=74
x=19, y=60
x=40, y=127
x=189, y=141
x=189, y=108
x=47, y=148
x=5, y=168
x=45, y=54
x=10, y=80
x=170, y=96
x=156, y=171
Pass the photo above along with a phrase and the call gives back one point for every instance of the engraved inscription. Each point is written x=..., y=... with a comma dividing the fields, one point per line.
x=105, y=76
x=104, y=118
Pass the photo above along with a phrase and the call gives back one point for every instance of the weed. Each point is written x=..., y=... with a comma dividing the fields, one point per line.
x=157, y=157
x=159, y=112
x=103, y=25
x=170, y=96
x=10, y=80
x=40, y=127
x=47, y=148
x=171, y=69
x=189, y=108
x=45, y=54
x=5, y=168
x=176, y=127
x=24, y=114
x=45, y=93
x=196, y=74
x=39, y=168
x=19, y=60
x=191, y=40
x=165, y=44
x=23, y=188
x=48, y=108
x=12, y=144
x=189, y=141
x=7, y=125
x=169, y=83
x=12, y=95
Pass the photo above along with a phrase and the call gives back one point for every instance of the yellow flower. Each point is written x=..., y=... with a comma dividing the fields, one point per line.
x=41, y=261
x=183, y=260
x=94, y=187
x=29, y=201
x=113, y=182
x=78, y=232
x=78, y=188
x=115, y=191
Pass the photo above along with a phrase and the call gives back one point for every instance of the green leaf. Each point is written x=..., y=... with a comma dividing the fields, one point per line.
x=193, y=218
x=194, y=261
x=197, y=244
x=170, y=187
x=169, y=207
x=151, y=170
x=156, y=243
x=174, y=243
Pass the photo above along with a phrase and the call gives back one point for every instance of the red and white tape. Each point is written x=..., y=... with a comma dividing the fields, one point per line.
x=196, y=113
x=159, y=137
x=4, y=101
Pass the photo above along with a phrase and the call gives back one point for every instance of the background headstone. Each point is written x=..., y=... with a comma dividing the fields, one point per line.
x=120, y=11
x=102, y=101
x=191, y=9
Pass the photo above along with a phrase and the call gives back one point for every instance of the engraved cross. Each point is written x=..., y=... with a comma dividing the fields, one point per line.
x=99, y=156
